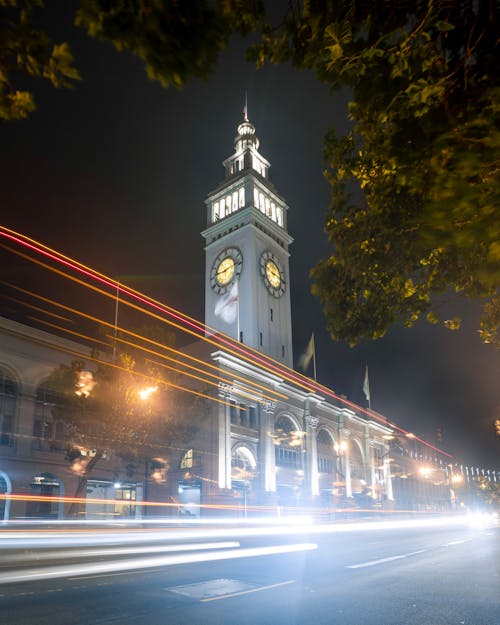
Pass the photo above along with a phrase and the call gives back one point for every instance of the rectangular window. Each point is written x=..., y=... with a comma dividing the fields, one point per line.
x=233, y=413
x=215, y=214
x=271, y=314
x=228, y=205
x=241, y=337
x=282, y=351
x=6, y=430
x=241, y=197
x=260, y=338
x=187, y=460
x=252, y=417
x=256, y=198
x=235, y=201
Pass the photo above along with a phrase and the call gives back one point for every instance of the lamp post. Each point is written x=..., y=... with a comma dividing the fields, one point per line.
x=144, y=395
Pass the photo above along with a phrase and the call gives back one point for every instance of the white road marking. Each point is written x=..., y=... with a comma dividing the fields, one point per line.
x=247, y=592
x=455, y=542
x=384, y=560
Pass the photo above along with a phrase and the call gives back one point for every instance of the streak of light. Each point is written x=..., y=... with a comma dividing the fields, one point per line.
x=79, y=335
x=38, y=309
x=236, y=389
x=202, y=331
x=80, y=569
x=61, y=554
x=275, y=394
x=236, y=531
x=115, y=366
x=232, y=346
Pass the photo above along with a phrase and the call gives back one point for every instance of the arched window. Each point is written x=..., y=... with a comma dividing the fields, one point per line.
x=5, y=487
x=9, y=393
x=356, y=462
x=326, y=452
x=243, y=465
x=288, y=440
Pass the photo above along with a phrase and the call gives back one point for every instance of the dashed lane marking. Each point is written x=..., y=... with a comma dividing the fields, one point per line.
x=384, y=560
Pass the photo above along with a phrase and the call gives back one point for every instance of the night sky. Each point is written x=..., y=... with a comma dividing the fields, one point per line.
x=114, y=173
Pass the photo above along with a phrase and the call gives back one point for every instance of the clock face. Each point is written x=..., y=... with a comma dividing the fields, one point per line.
x=226, y=269
x=272, y=274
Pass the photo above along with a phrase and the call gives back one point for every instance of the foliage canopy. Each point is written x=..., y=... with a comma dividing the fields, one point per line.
x=415, y=184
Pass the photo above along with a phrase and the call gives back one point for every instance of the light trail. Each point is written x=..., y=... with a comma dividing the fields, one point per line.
x=81, y=569
x=61, y=554
x=265, y=391
x=234, y=530
x=200, y=330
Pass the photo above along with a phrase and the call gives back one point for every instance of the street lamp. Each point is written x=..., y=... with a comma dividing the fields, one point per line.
x=144, y=395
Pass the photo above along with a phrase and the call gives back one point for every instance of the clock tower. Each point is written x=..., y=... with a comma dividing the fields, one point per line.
x=247, y=277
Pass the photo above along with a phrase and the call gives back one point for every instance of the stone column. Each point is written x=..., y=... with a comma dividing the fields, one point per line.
x=224, y=431
x=311, y=464
x=388, y=479
x=266, y=441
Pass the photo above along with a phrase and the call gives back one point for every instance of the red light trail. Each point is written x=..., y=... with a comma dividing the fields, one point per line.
x=199, y=329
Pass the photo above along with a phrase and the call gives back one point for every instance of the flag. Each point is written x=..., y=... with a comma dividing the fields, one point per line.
x=366, y=385
x=306, y=357
x=227, y=306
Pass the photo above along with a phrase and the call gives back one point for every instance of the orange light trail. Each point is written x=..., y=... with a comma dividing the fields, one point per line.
x=97, y=320
x=198, y=329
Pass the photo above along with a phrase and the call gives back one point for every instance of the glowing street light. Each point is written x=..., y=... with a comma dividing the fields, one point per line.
x=146, y=393
x=425, y=472
x=341, y=447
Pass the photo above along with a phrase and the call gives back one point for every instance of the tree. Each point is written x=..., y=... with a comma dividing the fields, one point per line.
x=415, y=184
x=175, y=40
x=120, y=409
x=488, y=493
x=28, y=50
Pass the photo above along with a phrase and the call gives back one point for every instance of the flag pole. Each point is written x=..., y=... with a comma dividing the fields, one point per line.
x=366, y=388
x=314, y=357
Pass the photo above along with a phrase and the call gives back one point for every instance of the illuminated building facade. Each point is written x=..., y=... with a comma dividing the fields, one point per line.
x=277, y=443
x=263, y=439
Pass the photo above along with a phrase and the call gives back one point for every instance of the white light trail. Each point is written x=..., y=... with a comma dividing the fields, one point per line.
x=80, y=569
x=61, y=554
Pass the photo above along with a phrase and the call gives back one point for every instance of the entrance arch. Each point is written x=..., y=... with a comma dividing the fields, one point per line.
x=5, y=489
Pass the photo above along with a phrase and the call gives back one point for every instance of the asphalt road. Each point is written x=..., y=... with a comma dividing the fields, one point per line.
x=356, y=575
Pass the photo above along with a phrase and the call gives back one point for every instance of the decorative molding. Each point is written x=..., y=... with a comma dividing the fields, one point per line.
x=312, y=421
x=224, y=389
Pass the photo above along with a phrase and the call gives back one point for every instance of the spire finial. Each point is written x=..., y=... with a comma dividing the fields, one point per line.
x=245, y=109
